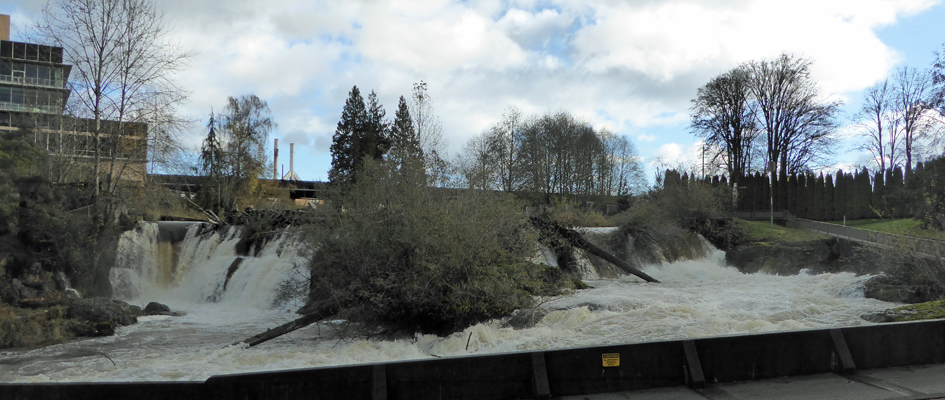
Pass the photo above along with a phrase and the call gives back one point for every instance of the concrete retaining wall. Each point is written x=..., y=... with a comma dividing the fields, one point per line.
x=560, y=372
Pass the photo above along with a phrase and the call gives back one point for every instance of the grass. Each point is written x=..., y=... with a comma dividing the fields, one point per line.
x=920, y=311
x=762, y=232
x=906, y=226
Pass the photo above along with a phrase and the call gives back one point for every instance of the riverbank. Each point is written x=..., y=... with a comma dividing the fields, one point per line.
x=780, y=250
x=39, y=311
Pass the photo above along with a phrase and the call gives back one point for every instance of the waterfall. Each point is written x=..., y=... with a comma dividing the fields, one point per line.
x=188, y=263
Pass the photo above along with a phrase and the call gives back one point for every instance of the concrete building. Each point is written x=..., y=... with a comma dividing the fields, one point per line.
x=34, y=92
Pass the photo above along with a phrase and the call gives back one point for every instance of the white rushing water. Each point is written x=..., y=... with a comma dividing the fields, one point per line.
x=695, y=299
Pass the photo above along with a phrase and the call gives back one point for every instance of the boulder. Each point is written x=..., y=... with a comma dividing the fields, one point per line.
x=887, y=288
x=99, y=309
x=155, y=308
x=27, y=292
x=10, y=291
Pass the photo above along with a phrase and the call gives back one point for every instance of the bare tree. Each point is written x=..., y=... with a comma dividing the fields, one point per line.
x=122, y=67
x=938, y=81
x=880, y=124
x=247, y=123
x=429, y=134
x=620, y=170
x=798, y=122
x=233, y=156
x=722, y=116
x=558, y=154
x=478, y=163
x=912, y=99
x=505, y=139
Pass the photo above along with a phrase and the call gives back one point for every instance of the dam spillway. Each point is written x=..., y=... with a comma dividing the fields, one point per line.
x=697, y=299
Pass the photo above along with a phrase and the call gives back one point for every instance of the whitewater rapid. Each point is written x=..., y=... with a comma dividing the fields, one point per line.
x=695, y=299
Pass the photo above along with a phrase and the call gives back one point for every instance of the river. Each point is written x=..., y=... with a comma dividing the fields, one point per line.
x=698, y=298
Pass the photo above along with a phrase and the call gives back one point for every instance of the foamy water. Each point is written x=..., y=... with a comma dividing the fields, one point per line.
x=695, y=299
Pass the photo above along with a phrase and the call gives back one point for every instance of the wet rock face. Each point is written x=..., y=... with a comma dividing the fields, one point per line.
x=818, y=256
x=99, y=310
x=889, y=289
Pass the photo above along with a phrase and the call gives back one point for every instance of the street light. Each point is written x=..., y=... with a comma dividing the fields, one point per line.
x=771, y=167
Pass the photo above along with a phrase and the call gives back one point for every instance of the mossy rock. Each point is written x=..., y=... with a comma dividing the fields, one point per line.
x=913, y=312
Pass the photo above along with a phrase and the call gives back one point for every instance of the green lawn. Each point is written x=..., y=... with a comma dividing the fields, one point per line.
x=763, y=232
x=906, y=226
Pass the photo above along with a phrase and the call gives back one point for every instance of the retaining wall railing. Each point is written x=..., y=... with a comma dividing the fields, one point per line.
x=925, y=246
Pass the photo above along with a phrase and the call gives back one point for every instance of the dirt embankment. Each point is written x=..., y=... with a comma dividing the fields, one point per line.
x=817, y=256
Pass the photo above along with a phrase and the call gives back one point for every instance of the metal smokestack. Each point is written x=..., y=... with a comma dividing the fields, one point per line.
x=275, y=161
x=291, y=159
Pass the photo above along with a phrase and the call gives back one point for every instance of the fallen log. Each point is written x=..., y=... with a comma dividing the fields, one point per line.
x=280, y=330
x=577, y=240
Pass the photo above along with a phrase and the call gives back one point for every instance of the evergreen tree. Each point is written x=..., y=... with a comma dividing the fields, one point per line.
x=404, y=143
x=781, y=201
x=840, y=195
x=791, y=200
x=894, y=188
x=764, y=198
x=744, y=193
x=802, y=196
x=218, y=193
x=863, y=194
x=376, y=138
x=878, y=199
x=817, y=198
x=828, y=198
x=346, y=144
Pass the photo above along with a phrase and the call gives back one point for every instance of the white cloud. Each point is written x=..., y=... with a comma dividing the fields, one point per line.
x=623, y=65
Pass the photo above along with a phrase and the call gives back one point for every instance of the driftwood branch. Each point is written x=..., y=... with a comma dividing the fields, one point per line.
x=214, y=219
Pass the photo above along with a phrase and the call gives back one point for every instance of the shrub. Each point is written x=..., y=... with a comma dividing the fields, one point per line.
x=397, y=256
x=694, y=206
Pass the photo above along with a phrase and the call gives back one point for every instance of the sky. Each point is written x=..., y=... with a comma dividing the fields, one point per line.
x=631, y=67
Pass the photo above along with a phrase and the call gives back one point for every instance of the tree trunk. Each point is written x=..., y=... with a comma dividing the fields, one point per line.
x=576, y=240
x=299, y=323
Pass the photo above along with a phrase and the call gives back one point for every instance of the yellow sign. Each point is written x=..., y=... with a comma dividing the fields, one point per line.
x=611, y=359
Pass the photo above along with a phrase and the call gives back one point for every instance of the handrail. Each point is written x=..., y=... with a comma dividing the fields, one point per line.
x=927, y=246
x=45, y=82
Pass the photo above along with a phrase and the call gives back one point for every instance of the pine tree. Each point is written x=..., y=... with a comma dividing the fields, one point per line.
x=375, y=140
x=346, y=143
x=404, y=144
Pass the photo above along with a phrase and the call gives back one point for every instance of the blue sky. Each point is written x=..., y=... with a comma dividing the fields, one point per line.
x=628, y=66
